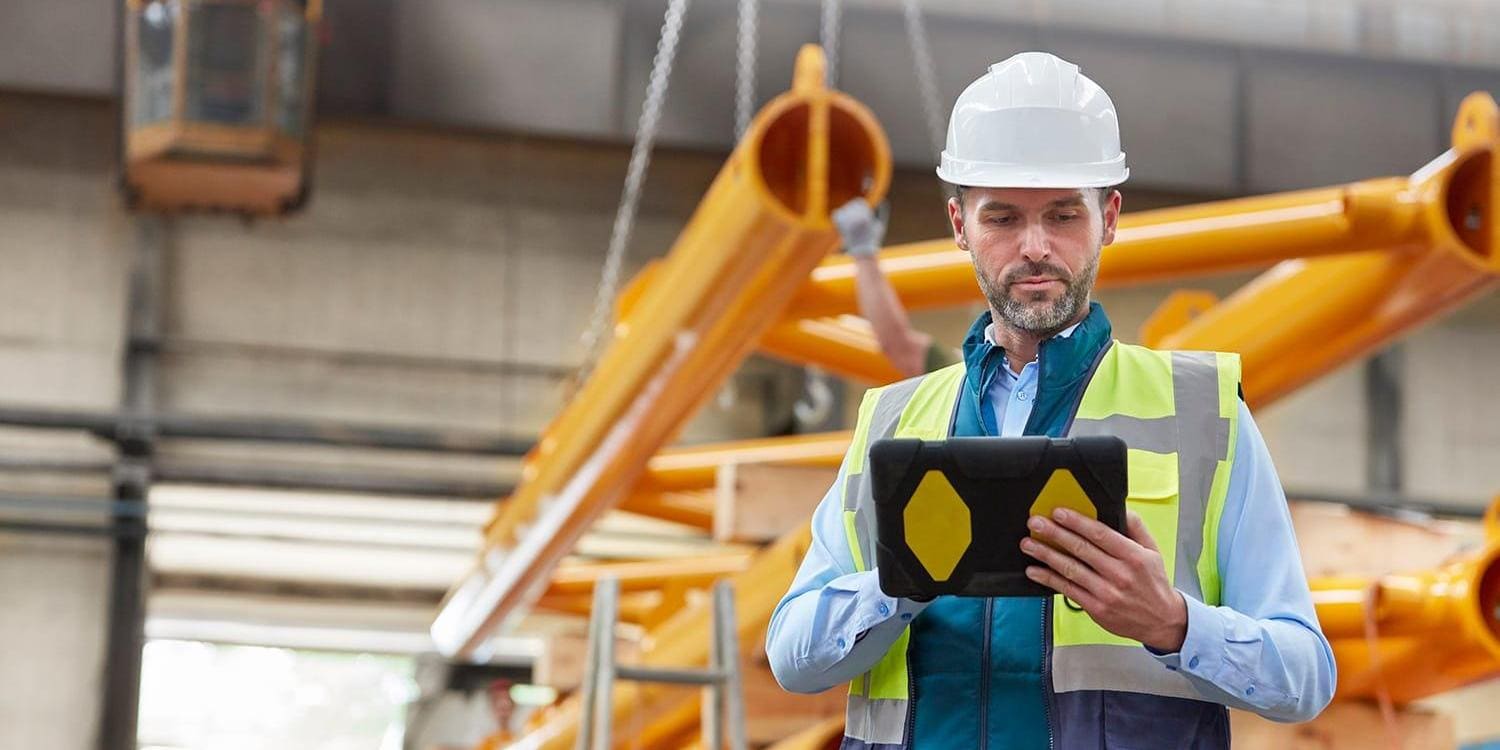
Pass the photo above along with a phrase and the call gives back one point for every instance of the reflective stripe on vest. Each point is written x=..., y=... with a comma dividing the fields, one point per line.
x=917, y=408
x=1148, y=398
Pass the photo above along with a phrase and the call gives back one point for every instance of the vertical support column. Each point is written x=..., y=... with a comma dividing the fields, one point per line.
x=712, y=710
x=1384, y=403
x=599, y=668
x=732, y=692
x=135, y=442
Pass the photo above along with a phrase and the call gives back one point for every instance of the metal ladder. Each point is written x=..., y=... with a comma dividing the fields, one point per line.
x=722, y=678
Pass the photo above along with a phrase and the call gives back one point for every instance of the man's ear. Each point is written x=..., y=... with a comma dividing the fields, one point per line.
x=1111, y=216
x=956, y=218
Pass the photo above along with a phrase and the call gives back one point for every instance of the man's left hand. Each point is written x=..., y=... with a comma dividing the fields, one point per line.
x=1119, y=580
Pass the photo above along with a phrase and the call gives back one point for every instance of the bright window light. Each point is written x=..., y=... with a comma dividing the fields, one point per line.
x=203, y=696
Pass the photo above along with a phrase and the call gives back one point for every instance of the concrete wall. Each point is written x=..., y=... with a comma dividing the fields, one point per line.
x=52, y=640
x=61, y=282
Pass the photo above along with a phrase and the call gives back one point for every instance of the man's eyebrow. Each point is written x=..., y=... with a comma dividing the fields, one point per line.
x=998, y=206
x=993, y=205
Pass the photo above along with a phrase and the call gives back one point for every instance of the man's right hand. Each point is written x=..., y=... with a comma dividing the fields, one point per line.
x=862, y=231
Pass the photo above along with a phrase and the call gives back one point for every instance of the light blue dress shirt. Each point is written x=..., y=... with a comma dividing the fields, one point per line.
x=1260, y=650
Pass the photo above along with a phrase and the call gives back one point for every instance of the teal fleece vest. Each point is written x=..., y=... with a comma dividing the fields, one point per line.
x=1001, y=703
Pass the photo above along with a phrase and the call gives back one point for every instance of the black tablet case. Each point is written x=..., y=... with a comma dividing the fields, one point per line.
x=998, y=479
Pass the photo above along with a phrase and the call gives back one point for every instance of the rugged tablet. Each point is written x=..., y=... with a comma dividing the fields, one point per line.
x=950, y=514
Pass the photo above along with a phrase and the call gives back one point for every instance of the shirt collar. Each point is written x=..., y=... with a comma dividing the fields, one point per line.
x=989, y=333
x=1062, y=360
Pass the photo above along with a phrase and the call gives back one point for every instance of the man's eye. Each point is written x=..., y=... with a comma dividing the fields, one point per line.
x=1065, y=217
x=1003, y=220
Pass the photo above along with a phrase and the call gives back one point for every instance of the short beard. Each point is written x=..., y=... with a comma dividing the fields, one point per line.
x=1046, y=319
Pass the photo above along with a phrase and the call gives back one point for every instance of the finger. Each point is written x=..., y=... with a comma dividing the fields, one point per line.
x=1062, y=586
x=1077, y=546
x=1136, y=527
x=1113, y=543
x=1067, y=566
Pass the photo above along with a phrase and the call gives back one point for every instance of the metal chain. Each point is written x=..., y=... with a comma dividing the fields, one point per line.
x=635, y=176
x=744, y=83
x=921, y=52
x=828, y=36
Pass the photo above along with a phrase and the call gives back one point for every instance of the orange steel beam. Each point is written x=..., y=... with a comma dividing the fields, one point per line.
x=1443, y=216
x=759, y=231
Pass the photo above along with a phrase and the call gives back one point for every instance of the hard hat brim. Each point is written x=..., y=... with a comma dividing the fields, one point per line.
x=968, y=173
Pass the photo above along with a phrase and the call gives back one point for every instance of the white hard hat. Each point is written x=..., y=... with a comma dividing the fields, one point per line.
x=1033, y=121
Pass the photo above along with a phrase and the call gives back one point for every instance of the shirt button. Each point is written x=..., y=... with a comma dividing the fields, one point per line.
x=1250, y=690
x=1022, y=395
x=884, y=610
x=1192, y=663
x=841, y=643
x=906, y=616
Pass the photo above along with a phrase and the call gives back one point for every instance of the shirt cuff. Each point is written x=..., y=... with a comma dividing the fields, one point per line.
x=1203, y=646
x=871, y=607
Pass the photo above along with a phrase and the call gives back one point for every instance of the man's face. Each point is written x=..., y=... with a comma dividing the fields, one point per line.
x=1035, y=251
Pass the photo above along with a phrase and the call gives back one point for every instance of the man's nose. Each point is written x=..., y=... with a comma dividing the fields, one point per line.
x=1034, y=244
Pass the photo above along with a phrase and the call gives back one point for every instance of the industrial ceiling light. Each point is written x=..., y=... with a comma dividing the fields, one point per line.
x=217, y=103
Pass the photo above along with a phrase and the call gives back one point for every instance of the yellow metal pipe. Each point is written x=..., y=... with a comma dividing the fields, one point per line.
x=640, y=575
x=694, y=467
x=1304, y=318
x=1492, y=522
x=761, y=228
x=673, y=730
x=691, y=508
x=1157, y=245
x=844, y=346
x=635, y=607
x=1435, y=631
x=677, y=480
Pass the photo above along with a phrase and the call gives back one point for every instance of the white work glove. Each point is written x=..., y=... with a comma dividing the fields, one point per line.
x=862, y=231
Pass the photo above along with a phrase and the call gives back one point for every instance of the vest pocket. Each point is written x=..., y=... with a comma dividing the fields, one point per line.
x=1154, y=494
x=1152, y=476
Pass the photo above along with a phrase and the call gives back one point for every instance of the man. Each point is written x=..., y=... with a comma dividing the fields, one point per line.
x=1202, y=604
x=913, y=352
